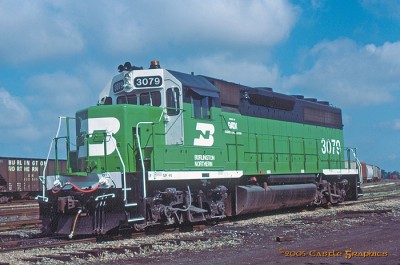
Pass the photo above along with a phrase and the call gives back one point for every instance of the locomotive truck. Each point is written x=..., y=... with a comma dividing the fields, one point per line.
x=169, y=148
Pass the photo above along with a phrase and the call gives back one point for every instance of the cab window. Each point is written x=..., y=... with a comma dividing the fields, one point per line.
x=152, y=98
x=172, y=101
x=132, y=99
x=145, y=99
x=127, y=99
x=156, y=98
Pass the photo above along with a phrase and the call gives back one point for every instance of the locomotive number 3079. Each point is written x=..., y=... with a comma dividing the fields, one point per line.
x=148, y=81
x=330, y=146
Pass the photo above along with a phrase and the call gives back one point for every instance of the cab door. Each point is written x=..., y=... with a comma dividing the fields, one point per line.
x=173, y=116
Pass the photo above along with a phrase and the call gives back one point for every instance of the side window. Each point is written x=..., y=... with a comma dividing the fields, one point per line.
x=206, y=108
x=172, y=98
x=196, y=101
x=201, y=106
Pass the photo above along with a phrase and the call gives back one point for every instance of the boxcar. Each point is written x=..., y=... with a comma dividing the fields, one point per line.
x=19, y=177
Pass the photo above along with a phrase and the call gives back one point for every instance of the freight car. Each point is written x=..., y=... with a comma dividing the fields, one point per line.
x=368, y=172
x=377, y=175
x=19, y=176
x=165, y=147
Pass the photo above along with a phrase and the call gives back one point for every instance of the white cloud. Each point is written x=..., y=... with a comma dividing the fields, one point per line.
x=232, y=69
x=48, y=96
x=233, y=22
x=95, y=76
x=388, y=53
x=47, y=29
x=14, y=113
x=16, y=120
x=348, y=74
x=34, y=30
x=59, y=92
x=134, y=26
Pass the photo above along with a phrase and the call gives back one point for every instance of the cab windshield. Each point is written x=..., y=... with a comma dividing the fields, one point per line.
x=152, y=98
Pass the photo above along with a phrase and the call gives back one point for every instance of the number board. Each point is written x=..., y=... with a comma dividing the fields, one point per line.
x=118, y=86
x=148, y=81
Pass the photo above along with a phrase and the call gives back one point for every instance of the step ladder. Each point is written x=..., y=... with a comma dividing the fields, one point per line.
x=135, y=214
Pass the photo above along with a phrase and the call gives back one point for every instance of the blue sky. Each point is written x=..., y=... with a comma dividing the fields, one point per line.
x=57, y=56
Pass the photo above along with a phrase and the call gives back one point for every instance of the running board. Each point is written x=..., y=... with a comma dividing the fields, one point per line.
x=197, y=209
x=136, y=219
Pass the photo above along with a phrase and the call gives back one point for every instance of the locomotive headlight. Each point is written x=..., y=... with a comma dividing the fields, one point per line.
x=128, y=82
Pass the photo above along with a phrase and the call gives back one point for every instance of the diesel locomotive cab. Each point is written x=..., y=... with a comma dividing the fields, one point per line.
x=104, y=186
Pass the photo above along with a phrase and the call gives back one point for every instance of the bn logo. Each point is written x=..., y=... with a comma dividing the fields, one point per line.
x=110, y=125
x=206, y=137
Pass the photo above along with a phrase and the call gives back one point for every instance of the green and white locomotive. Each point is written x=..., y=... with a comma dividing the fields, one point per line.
x=164, y=148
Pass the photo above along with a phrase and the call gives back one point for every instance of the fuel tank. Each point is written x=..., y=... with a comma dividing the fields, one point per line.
x=252, y=198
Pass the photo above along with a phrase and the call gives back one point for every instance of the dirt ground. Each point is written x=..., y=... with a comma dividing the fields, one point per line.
x=376, y=240
x=378, y=235
x=365, y=233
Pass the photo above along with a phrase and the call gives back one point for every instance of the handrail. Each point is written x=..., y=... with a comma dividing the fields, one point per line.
x=123, y=165
x=140, y=151
x=43, y=177
x=141, y=155
x=55, y=139
x=110, y=134
x=354, y=152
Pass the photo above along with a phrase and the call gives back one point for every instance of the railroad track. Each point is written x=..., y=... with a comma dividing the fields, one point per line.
x=42, y=243
x=89, y=250
x=98, y=250
x=84, y=253
x=17, y=215
x=371, y=199
x=20, y=212
x=377, y=192
x=25, y=208
x=23, y=204
x=13, y=225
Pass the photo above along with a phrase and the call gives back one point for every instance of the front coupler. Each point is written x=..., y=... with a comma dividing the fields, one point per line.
x=82, y=215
